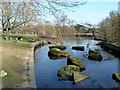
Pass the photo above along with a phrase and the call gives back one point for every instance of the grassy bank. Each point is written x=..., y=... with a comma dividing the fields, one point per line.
x=14, y=58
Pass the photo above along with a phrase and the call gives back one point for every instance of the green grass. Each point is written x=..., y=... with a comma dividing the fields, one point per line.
x=25, y=43
x=26, y=37
x=14, y=43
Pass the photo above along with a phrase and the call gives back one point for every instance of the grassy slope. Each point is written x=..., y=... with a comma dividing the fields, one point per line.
x=13, y=59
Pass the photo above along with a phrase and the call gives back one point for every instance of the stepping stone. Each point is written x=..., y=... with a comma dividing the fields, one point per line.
x=59, y=53
x=94, y=55
x=80, y=48
x=66, y=72
x=79, y=77
x=77, y=62
x=61, y=47
x=116, y=77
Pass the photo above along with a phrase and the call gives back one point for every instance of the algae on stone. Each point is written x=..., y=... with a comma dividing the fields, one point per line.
x=77, y=62
x=66, y=72
x=61, y=47
x=51, y=57
x=94, y=55
x=57, y=52
x=43, y=42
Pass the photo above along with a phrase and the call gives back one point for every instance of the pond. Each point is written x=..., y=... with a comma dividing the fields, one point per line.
x=100, y=71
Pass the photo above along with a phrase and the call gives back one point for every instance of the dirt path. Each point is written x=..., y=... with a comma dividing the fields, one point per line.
x=19, y=64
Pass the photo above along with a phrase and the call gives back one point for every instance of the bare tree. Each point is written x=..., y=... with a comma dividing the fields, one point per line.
x=63, y=26
x=109, y=28
x=16, y=14
x=87, y=27
x=91, y=28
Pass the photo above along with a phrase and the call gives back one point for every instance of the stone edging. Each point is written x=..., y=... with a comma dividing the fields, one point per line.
x=32, y=66
x=32, y=83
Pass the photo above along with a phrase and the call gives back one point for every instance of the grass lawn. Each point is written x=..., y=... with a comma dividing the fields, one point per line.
x=13, y=61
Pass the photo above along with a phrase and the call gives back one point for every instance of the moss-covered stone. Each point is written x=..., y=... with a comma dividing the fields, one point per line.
x=77, y=62
x=93, y=51
x=57, y=52
x=116, y=77
x=61, y=47
x=66, y=72
x=45, y=42
x=94, y=55
x=80, y=48
x=55, y=57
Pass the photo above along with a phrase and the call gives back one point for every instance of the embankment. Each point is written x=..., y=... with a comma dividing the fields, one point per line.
x=34, y=45
x=114, y=49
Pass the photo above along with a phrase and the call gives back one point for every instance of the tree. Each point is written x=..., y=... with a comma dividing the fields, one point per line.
x=92, y=28
x=15, y=14
x=109, y=28
x=79, y=28
x=87, y=27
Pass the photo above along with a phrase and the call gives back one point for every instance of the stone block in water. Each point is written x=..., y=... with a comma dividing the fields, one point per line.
x=77, y=62
x=66, y=72
x=77, y=77
x=61, y=47
x=59, y=53
x=80, y=48
x=116, y=77
x=94, y=55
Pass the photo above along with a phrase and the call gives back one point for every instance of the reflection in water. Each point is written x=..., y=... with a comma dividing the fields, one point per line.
x=101, y=72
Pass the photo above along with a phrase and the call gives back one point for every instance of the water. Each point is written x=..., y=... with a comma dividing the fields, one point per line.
x=100, y=72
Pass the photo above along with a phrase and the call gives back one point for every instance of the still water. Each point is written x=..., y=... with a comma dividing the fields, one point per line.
x=100, y=71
